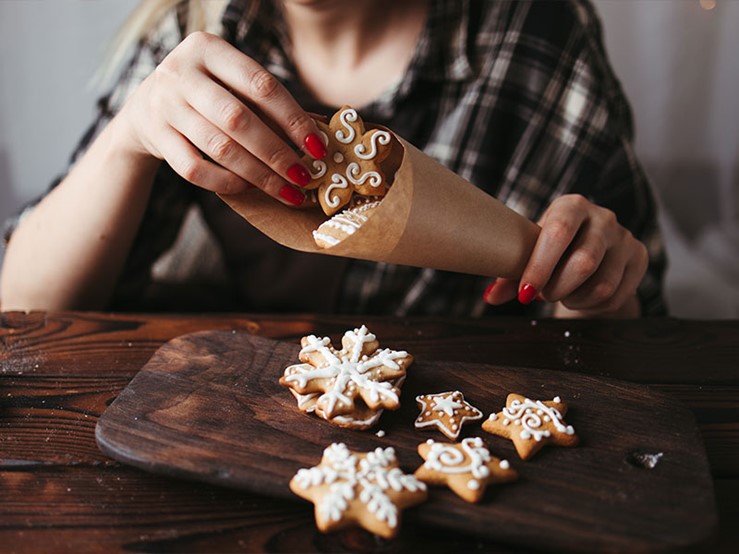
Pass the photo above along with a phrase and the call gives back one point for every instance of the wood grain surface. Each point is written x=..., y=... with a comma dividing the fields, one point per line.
x=208, y=406
x=60, y=371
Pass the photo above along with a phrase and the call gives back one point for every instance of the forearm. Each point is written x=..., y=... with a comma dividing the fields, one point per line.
x=69, y=252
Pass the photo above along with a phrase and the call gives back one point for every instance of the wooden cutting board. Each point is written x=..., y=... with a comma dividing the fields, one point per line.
x=208, y=406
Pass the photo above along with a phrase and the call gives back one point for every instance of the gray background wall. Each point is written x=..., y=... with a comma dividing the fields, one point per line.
x=677, y=62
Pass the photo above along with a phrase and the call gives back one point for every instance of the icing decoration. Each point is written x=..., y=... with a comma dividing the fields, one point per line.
x=359, y=369
x=360, y=419
x=354, y=157
x=345, y=223
x=531, y=424
x=446, y=411
x=466, y=467
x=353, y=488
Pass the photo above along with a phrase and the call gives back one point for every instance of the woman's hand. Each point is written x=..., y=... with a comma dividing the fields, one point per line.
x=583, y=259
x=206, y=97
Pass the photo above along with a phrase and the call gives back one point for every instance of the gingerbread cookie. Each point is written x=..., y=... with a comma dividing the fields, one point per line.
x=359, y=371
x=345, y=223
x=352, y=488
x=467, y=468
x=360, y=419
x=352, y=162
x=532, y=424
x=446, y=411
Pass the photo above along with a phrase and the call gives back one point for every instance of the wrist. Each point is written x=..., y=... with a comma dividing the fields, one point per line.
x=123, y=143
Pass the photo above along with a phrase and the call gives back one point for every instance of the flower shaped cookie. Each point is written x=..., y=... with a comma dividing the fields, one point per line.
x=352, y=162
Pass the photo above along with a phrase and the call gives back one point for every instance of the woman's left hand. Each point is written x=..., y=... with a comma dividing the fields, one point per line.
x=583, y=259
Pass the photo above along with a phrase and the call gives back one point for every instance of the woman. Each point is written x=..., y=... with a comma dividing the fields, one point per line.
x=516, y=97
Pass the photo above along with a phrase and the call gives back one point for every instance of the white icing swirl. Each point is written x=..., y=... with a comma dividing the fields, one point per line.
x=471, y=458
x=382, y=137
x=355, y=175
x=531, y=422
x=347, y=116
x=320, y=169
x=337, y=182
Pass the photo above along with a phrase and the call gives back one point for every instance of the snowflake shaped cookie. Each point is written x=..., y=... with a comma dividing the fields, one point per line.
x=467, y=468
x=360, y=419
x=446, y=411
x=352, y=162
x=351, y=488
x=360, y=370
x=531, y=424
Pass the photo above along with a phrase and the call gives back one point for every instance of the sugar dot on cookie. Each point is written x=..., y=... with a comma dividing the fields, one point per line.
x=473, y=484
x=338, y=157
x=504, y=464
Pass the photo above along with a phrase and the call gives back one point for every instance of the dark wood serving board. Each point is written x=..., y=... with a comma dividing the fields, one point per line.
x=208, y=406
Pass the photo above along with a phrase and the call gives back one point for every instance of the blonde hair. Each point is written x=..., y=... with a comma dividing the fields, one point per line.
x=202, y=15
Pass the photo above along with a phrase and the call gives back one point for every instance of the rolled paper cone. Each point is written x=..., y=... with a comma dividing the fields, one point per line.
x=430, y=217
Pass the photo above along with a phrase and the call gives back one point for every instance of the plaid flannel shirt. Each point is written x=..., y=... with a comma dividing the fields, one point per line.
x=516, y=97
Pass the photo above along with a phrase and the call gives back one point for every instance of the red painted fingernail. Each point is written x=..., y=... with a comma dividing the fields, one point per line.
x=294, y=197
x=315, y=146
x=488, y=290
x=527, y=294
x=298, y=175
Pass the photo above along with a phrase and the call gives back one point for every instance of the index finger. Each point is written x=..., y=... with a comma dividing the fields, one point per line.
x=257, y=85
x=558, y=231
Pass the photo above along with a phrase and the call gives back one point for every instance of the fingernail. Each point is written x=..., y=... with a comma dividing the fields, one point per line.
x=315, y=146
x=488, y=290
x=298, y=175
x=527, y=294
x=294, y=197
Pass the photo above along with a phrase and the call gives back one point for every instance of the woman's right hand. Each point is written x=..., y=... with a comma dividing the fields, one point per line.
x=208, y=98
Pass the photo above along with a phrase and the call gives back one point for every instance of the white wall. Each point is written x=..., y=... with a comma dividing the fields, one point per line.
x=678, y=64
x=49, y=51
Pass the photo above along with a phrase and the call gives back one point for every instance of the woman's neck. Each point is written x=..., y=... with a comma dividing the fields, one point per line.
x=350, y=51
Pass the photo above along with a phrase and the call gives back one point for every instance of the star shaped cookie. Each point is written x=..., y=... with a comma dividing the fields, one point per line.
x=352, y=162
x=467, y=467
x=531, y=424
x=358, y=489
x=360, y=370
x=445, y=411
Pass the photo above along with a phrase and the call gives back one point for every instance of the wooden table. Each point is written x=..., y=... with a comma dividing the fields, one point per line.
x=60, y=371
